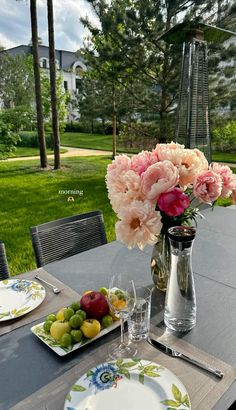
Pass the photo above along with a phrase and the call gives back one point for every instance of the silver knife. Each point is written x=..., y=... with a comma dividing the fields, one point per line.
x=171, y=352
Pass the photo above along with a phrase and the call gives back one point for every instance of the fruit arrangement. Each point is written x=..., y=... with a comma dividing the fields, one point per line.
x=80, y=321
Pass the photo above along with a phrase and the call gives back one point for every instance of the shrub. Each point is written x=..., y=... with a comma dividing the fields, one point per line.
x=8, y=139
x=47, y=127
x=62, y=126
x=76, y=126
x=95, y=127
x=31, y=140
x=108, y=128
x=224, y=138
x=139, y=135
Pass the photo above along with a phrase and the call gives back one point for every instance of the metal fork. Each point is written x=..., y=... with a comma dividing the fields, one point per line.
x=54, y=288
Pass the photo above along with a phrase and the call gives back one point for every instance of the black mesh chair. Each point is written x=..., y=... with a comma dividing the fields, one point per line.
x=65, y=237
x=4, y=270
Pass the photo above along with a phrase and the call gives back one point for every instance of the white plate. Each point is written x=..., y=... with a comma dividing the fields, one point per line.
x=128, y=384
x=62, y=351
x=18, y=297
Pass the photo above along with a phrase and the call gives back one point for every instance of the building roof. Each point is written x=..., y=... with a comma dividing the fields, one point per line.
x=66, y=59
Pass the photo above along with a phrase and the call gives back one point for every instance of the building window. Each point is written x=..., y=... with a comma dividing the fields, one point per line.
x=66, y=85
x=44, y=63
x=78, y=84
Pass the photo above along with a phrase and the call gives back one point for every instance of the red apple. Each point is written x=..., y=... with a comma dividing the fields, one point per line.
x=94, y=304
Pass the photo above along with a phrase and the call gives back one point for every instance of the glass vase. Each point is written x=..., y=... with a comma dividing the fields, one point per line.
x=180, y=300
x=160, y=262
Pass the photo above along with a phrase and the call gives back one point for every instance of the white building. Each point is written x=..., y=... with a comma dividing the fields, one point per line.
x=67, y=62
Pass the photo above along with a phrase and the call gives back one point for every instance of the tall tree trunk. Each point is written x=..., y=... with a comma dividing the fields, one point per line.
x=52, y=65
x=113, y=135
x=38, y=98
x=113, y=123
x=163, y=114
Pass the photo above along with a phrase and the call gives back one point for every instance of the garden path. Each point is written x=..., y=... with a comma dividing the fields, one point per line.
x=71, y=152
x=82, y=152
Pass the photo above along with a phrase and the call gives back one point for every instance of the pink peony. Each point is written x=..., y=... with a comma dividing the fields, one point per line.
x=202, y=158
x=207, y=186
x=126, y=188
x=139, y=224
x=173, y=203
x=119, y=165
x=169, y=151
x=228, y=179
x=191, y=164
x=188, y=161
x=138, y=185
x=158, y=178
x=141, y=161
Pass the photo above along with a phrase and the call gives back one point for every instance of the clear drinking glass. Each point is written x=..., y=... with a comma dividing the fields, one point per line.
x=139, y=319
x=180, y=301
x=122, y=299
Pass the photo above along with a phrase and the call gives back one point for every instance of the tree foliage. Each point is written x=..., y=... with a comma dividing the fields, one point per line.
x=63, y=98
x=224, y=137
x=95, y=101
x=20, y=117
x=16, y=80
x=126, y=48
x=222, y=64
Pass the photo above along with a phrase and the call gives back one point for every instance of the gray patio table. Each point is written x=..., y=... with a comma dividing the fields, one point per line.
x=26, y=365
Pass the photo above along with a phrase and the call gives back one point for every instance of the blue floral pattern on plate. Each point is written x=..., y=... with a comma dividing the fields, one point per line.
x=18, y=297
x=104, y=376
x=126, y=382
x=20, y=285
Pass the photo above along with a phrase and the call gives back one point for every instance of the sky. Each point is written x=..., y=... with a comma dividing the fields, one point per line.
x=69, y=31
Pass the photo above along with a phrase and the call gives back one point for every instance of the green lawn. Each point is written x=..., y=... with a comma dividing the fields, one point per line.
x=29, y=197
x=82, y=140
x=224, y=157
x=92, y=141
x=104, y=142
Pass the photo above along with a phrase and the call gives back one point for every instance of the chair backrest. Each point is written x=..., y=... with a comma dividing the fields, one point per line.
x=65, y=237
x=4, y=270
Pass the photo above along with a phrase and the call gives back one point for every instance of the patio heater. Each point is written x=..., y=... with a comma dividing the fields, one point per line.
x=192, y=119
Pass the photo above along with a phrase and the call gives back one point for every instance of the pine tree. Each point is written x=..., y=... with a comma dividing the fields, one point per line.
x=128, y=38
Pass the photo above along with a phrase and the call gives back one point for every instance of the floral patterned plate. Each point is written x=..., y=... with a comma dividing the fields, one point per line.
x=18, y=297
x=128, y=384
x=62, y=351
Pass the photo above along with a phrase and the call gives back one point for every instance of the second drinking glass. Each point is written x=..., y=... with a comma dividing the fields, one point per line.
x=122, y=299
x=139, y=319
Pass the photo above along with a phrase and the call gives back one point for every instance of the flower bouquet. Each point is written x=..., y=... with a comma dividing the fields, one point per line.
x=154, y=190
